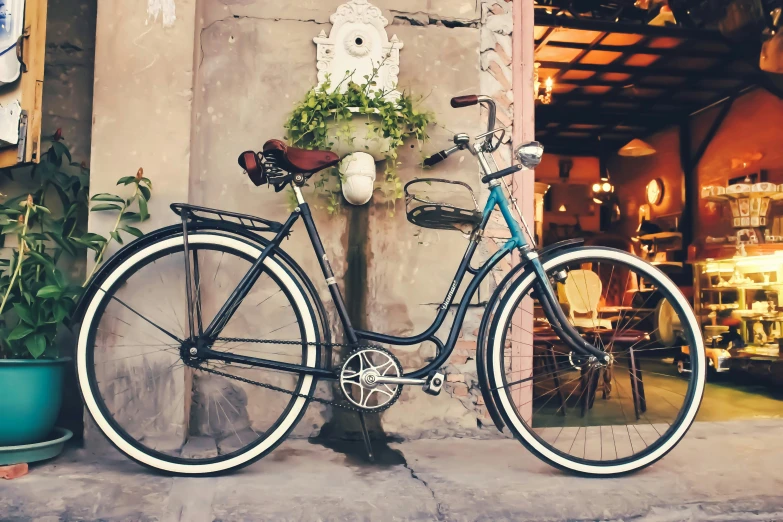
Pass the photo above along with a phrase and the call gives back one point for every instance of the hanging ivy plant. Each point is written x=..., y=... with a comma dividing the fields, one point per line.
x=326, y=108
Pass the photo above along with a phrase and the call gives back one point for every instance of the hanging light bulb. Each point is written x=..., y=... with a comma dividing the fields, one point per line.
x=544, y=97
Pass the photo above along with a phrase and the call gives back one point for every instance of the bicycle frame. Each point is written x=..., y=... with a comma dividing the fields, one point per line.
x=202, y=339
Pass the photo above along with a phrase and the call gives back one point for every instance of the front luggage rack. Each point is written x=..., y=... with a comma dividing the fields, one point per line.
x=203, y=214
x=422, y=211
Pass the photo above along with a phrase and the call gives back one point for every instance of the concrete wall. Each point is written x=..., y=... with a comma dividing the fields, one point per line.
x=68, y=79
x=231, y=72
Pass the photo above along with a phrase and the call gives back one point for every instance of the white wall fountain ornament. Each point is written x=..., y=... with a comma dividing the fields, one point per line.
x=358, y=45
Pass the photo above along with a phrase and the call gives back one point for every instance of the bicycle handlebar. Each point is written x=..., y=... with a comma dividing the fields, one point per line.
x=468, y=101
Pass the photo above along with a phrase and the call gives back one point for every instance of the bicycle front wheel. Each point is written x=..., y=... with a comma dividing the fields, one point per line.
x=181, y=418
x=588, y=416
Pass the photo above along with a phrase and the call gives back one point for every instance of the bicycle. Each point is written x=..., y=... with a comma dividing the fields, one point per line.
x=224, y=388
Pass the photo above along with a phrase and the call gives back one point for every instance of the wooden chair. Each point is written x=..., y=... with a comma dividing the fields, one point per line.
x=583, y=291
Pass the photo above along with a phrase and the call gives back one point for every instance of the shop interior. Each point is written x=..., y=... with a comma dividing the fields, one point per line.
x=667, y=141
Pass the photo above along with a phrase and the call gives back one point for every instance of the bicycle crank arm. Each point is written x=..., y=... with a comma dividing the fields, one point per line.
x=400, y=380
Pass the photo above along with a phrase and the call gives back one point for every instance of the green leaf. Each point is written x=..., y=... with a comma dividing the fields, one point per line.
x=104, y=196
x=23, y=311
x=148, y=181
x=127, y=180
x=143, y=214
x=63, y=243
x=145, y=192
x=60, y=150
x=42, y=209
x=116, y=236
x=42, y=259
x=58, y=278
x=21, y=330
x=36, y=345
x=94, y=237
x=132, y=230
x=130, y=216
x=60, y=312
x=12, y=228
x=49, y=291
x=105, y=206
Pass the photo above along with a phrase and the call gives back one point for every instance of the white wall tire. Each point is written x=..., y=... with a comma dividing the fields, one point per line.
x=282, y=429
x=505, y=404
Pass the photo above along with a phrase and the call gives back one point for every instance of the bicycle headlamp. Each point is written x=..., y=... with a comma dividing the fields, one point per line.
x=529, y=154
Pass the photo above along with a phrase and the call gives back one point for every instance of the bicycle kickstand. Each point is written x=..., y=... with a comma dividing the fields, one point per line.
x=366, y=438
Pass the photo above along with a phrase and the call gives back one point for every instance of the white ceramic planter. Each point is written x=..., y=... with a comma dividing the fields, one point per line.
x=358, y=171
x=360, y=151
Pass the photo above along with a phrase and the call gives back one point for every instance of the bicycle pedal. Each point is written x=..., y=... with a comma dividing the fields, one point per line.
x=434, y=383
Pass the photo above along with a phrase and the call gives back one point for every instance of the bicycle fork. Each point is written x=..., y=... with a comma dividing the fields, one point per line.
x=554, y=313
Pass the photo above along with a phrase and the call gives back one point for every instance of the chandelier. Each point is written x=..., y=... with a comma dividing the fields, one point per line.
x=543, y=95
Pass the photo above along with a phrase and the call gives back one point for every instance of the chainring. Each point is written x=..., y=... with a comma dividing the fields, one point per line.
x=358, y=379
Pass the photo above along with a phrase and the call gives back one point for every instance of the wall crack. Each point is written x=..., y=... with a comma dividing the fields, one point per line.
x=442, y=508
x=424, y=19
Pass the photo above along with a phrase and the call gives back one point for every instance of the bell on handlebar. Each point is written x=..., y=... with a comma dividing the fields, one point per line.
x=529, y=154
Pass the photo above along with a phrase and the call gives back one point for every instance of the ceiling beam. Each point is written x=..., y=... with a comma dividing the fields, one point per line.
x=639, y=49
x=641, y=101
x=580, y=147
x=549, y=113
x=649, y=70
x=586, y=24
x=597, y=40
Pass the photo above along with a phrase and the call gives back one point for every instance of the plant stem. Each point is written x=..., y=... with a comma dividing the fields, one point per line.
x=99, y=259
x=18, y=269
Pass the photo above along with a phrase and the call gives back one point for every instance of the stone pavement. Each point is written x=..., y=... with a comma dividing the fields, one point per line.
x=721, y=471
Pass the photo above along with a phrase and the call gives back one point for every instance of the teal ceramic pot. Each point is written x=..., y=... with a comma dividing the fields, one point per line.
x=31, y=393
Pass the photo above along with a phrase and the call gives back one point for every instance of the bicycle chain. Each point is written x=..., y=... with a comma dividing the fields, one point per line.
x=283, y=390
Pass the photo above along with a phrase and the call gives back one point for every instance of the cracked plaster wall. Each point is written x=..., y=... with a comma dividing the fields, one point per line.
x=231, y=87
x=257, y=60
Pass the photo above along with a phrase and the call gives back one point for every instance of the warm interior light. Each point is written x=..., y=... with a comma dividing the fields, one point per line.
x=636, y=148
x=607, y=187
x=598, y=201
x=544, y=97
x=562, y=208
x=597, y=187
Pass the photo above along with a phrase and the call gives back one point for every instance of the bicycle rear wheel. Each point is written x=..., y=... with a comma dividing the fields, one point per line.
x=179, y=418
x=584, y=416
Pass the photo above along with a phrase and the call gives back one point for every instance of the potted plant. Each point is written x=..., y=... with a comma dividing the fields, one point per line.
x=353, y=117
x=37, y=297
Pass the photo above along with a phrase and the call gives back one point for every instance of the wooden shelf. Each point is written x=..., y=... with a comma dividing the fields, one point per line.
x=720, y=198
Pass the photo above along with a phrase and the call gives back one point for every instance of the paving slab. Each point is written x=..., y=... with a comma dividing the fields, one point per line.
x=720, y=472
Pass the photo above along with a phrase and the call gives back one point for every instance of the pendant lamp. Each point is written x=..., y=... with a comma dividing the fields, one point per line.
x=636, y=148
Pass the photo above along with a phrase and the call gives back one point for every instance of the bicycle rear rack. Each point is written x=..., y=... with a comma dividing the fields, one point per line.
x=202, y=214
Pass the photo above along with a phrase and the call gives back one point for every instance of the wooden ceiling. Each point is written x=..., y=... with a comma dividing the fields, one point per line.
x=615, y=81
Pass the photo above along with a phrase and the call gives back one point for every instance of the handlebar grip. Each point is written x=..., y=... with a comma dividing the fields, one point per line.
x=505, y=172
x=435, y=159
x=464, y=101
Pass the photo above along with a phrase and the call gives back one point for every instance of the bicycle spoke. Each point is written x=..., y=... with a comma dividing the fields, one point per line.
x=589, y=415
x=147, y=320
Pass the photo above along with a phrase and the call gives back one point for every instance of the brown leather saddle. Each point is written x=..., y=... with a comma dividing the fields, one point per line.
x=281, y=163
